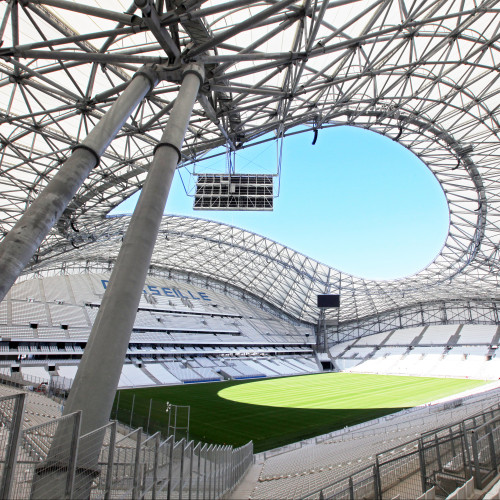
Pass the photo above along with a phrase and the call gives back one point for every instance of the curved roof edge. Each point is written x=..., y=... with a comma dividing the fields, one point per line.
x=266, y=269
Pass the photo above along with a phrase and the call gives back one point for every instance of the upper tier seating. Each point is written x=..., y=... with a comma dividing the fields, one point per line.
x=65, y=307
x=376, y=339
x=438, y=334
x=404, y=336
x=441, y=351
x=477, y=334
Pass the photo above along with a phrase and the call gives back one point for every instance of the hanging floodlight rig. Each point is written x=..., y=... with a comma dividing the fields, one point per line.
x=237, y=191
x=230, y=190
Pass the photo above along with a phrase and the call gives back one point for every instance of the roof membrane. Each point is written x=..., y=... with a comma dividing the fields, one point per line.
x=423, y=73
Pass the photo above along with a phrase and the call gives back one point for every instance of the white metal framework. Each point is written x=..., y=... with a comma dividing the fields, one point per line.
x=423, y=72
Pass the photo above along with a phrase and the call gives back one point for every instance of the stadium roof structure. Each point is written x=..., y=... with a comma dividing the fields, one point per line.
x=423, y=73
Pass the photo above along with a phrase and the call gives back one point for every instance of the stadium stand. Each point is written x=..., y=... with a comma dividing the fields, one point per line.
x=38, y=408
x=295, y=473
x=338, y=349
x=232, y=373
x=260, y=368
x=172, y=337
x=284, y=368
x=464, y=351
x=404, y=336
x=357, y=352
x=303, y=364
x=186, y=375
x=246, y=370
x=36, y=371
x=477, y=334
x=438, y=334
x=41, y=417
x=176, y=342
x=133, y=376
x=208, y=375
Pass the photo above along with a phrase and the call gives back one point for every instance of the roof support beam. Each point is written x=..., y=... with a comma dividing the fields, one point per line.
x=83, y=56
x=152, y=20
x=90, y=11
x=17, y=248
x=239, y=28
x=80, y=38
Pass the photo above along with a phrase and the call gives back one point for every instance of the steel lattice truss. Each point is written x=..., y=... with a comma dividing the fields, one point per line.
x=424, y=73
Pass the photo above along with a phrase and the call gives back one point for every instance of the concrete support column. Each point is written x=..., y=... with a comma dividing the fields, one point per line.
x=97, y=378
x=99, y=372
x=22, y=241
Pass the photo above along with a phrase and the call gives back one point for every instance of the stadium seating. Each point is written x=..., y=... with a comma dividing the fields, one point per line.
x=159, y=372
x=404, y=336
x=438, y=334
x=357, y=352
x=337, y=349
x=72, y=305
x=439, y=350
x=477, y=334
x=48, y=321
x=260, y=368
x=205, y=362
x=208, y=375
x=244, y=369
x=232, y=373
x=296, y=473
x=37, y=372
x=373, y=340
x=304, y=364
x=191, y=341
x=186, y=375
x=132, y=376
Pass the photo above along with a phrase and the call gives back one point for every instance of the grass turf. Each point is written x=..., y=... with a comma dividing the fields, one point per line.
x=275, y=412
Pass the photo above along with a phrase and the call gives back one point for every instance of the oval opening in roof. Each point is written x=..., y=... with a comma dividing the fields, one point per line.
x=374, y=208
x=355, y=200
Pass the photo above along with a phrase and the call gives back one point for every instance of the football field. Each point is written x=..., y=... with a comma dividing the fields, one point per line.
x=278, y=411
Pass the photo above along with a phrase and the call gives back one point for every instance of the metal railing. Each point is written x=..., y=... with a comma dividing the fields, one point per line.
x=444, y=458
x=363, y=429
x=53, y=386
x=11, y=421
x=33, y=464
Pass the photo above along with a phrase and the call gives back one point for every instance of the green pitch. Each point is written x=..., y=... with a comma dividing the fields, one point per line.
x=275, y=412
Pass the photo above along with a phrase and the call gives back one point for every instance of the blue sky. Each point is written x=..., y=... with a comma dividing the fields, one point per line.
x=356, y=201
